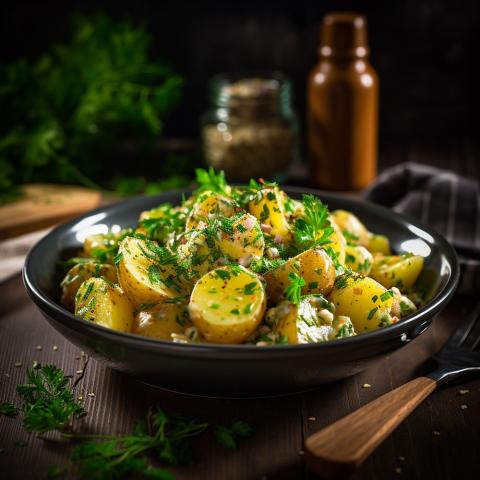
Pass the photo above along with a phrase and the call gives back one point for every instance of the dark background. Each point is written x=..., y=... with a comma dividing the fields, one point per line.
x=425, y=52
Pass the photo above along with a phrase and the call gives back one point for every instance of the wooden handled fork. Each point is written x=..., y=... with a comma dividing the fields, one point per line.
x=341, y=447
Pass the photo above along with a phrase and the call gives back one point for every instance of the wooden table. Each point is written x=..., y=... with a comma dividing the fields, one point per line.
x=274, y=451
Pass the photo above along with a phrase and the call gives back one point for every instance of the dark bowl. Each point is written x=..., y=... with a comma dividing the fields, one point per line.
x=239, y=370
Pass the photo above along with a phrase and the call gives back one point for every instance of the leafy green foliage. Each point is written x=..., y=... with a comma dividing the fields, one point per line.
x=8, y=409
x=209, y=180
x=48, y=401
x=79, y=96
x=264, y=265
x=314, y=228
x=163, y=221
x=229, y=436
x=293, y=292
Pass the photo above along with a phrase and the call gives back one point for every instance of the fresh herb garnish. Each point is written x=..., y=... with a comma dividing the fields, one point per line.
x=314, y=227
x=264, y=265
x=249, y=288
x=48, y=401
x=293, y=292
x=386, y=295
x=371, y=313
x=208, y=180
x=229, y=436
x=8, y=409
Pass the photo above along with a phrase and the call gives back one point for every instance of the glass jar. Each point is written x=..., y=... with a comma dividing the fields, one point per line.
x=251, y=130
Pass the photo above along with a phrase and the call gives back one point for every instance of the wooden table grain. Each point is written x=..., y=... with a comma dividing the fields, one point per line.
x=440, y=440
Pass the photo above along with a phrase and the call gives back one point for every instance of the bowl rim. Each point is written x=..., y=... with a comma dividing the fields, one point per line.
x=429, y=310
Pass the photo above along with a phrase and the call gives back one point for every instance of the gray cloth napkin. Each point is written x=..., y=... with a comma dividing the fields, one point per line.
x=447, y=202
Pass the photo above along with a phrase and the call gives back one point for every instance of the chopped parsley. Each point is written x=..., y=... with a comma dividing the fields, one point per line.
x=371, y=313
x=249, y=288
x=293, y=292
x=386, y=295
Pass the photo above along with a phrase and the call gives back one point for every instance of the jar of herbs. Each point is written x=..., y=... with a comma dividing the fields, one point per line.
x=251, y=130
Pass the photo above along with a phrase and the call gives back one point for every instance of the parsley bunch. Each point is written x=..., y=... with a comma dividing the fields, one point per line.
x=79, y=97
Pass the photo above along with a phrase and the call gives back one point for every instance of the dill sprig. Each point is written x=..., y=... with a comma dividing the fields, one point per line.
x=48, y=401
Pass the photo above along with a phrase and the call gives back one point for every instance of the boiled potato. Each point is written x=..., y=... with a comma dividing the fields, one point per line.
x=102, y=302
x=351, y=226
x=359, y=259
x=364, y=300
x=81, y=272
x=100, y=245
x=147, y=272
x=378, y=244
x=307, y=322
x=161, y=320
x=227, y=304
x=399, y=271
x=314, y=265
x=245, y=242
x=342, y=327
x=199, y=254
x=337, y=242
x=268, y=207
x=209, y=206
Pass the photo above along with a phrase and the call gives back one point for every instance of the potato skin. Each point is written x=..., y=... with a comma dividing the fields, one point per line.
x=227, y=304
x=314, y=265
x=399, y=271
x=364, y=300
x=81, y=272
x=102, y=302
x=337, y=242
x=350, y=223
x=142, y=277
x=161, y=320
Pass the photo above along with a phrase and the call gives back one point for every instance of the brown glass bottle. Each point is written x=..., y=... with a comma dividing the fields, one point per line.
x=342, y=104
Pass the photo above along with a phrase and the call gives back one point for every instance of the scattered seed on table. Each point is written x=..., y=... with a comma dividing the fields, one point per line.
x=83, y=354
x=39, y=348
x=79, y=372
x=55, y=348
x=463, y=406
x=312, y=419
x=463, y=391
x=402, y=459
x=436, y=432
x=91, y=394
x=80, y=397
x=35, y=365
x=366, y=385
x=18, y=364
x=398, y=470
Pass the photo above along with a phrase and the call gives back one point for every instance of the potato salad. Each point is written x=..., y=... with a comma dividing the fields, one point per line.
x=242, y=265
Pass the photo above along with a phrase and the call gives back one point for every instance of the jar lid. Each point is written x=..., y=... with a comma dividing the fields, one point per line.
x=344, y=34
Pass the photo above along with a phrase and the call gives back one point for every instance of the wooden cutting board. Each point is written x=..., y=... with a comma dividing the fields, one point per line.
x=43, y=205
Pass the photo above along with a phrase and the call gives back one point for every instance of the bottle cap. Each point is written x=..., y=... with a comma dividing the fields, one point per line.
x=344, y=34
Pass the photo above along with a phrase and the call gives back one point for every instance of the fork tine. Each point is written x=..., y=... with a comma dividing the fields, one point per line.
x=462, y=332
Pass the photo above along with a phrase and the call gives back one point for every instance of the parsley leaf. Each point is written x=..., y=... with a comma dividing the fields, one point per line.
x=228, y=436
x=294, y=291
x=209, y=180
x=8, y=409
x=314, y=227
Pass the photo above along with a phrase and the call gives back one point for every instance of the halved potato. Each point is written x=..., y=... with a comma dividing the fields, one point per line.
x=81, y=272
x=269, y=208
x=314, y=265
x=245, y=243
x=210, y=205
x=102, y=302
x=161, y=320
x=147, y=272
x=399, y=271
x=352, y=226
x=359, y=259
x=227, y=304
x=378, y=244
x=364, y=300
x=199, y=254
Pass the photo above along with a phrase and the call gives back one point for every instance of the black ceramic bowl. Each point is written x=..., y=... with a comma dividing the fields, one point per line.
x=239, y=370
